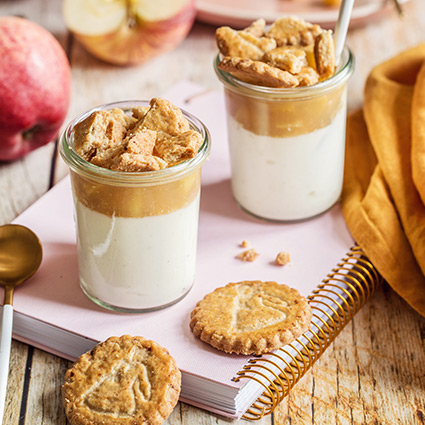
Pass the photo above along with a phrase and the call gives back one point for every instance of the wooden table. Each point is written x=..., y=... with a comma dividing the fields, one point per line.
x=374, y=373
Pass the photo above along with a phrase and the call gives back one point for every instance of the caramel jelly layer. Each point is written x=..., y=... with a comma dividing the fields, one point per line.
x=136, y=201
x=284, y=118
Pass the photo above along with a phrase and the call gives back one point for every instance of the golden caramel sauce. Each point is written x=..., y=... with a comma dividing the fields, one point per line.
x=284, y=118
x=136, y=201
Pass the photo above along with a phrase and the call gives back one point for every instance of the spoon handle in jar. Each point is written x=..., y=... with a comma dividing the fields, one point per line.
x=341, y=27
x=5, y=344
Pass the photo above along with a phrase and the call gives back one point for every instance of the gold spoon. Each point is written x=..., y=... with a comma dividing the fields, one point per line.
x=20, y=257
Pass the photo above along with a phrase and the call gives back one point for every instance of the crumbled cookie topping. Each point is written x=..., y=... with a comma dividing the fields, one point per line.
x=291, y=53
x=248, y=255
x=150, y=138
x=244, y=244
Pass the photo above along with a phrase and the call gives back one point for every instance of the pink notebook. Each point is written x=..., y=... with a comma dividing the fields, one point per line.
x=52, y=313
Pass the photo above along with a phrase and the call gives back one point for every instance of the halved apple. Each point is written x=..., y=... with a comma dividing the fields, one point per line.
x=126, y=32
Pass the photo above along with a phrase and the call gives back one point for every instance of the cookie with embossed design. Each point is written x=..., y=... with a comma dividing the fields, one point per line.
x=251, y=317
x=124, y=380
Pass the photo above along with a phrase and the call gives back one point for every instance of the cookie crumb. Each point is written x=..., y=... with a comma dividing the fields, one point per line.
x=283, y=258
x=244, y=244
x=248, y=255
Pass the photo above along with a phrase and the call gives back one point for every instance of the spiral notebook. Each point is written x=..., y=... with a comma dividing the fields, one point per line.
x=53, y=314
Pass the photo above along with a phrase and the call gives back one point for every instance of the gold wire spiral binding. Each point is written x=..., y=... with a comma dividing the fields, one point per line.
x=334, y=303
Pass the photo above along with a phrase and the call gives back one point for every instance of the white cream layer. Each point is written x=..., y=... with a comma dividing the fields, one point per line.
x=137, y=263
x=288, y=178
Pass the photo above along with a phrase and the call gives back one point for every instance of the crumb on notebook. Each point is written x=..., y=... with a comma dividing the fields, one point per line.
x=283, y=258
x=248, y=255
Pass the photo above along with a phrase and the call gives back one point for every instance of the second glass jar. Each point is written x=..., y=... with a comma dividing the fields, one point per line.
x=287, y=146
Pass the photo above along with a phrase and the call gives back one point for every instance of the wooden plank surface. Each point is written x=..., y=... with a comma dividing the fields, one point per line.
x=374, y=373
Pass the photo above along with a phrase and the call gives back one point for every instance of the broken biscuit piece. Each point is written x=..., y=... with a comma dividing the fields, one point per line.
x=142, y=140
x=324, y=53
x=257, y=28
x=163, y=116
x=243, y=44
x=287, y=58
x=179, y=148
x=293, y=31
x=95, y=138
x=256, y=72
x=307, y=76
x=139, y=112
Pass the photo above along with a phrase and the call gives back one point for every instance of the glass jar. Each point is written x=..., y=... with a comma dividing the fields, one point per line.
x=287, y=145
x=136, y=231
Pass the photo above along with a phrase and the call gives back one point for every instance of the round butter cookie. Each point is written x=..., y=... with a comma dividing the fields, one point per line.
x=251, y=317
x=123, y=380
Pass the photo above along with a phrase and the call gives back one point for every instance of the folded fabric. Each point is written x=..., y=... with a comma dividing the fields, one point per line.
x=383, y=199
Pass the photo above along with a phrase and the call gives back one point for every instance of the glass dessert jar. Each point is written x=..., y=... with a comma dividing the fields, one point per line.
x=287, y=145
x=136, y=231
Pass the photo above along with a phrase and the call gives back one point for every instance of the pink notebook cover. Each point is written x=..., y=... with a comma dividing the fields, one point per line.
x=53, y=294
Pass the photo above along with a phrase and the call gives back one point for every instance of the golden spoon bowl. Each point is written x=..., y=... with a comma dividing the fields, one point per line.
x=20, y=256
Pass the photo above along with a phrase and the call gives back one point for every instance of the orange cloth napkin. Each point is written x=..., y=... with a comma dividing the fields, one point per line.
x=383, y=199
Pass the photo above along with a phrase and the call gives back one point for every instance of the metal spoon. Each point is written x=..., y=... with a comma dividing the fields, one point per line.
x=20, y=257
x=341, y=27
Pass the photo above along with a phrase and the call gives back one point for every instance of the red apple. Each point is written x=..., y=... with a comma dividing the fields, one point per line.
x=125, y=32
x=35, y=83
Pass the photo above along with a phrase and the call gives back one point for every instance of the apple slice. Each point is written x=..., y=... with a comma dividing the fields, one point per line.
x=128, y=31
x=94, y=17
x=157, y=10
